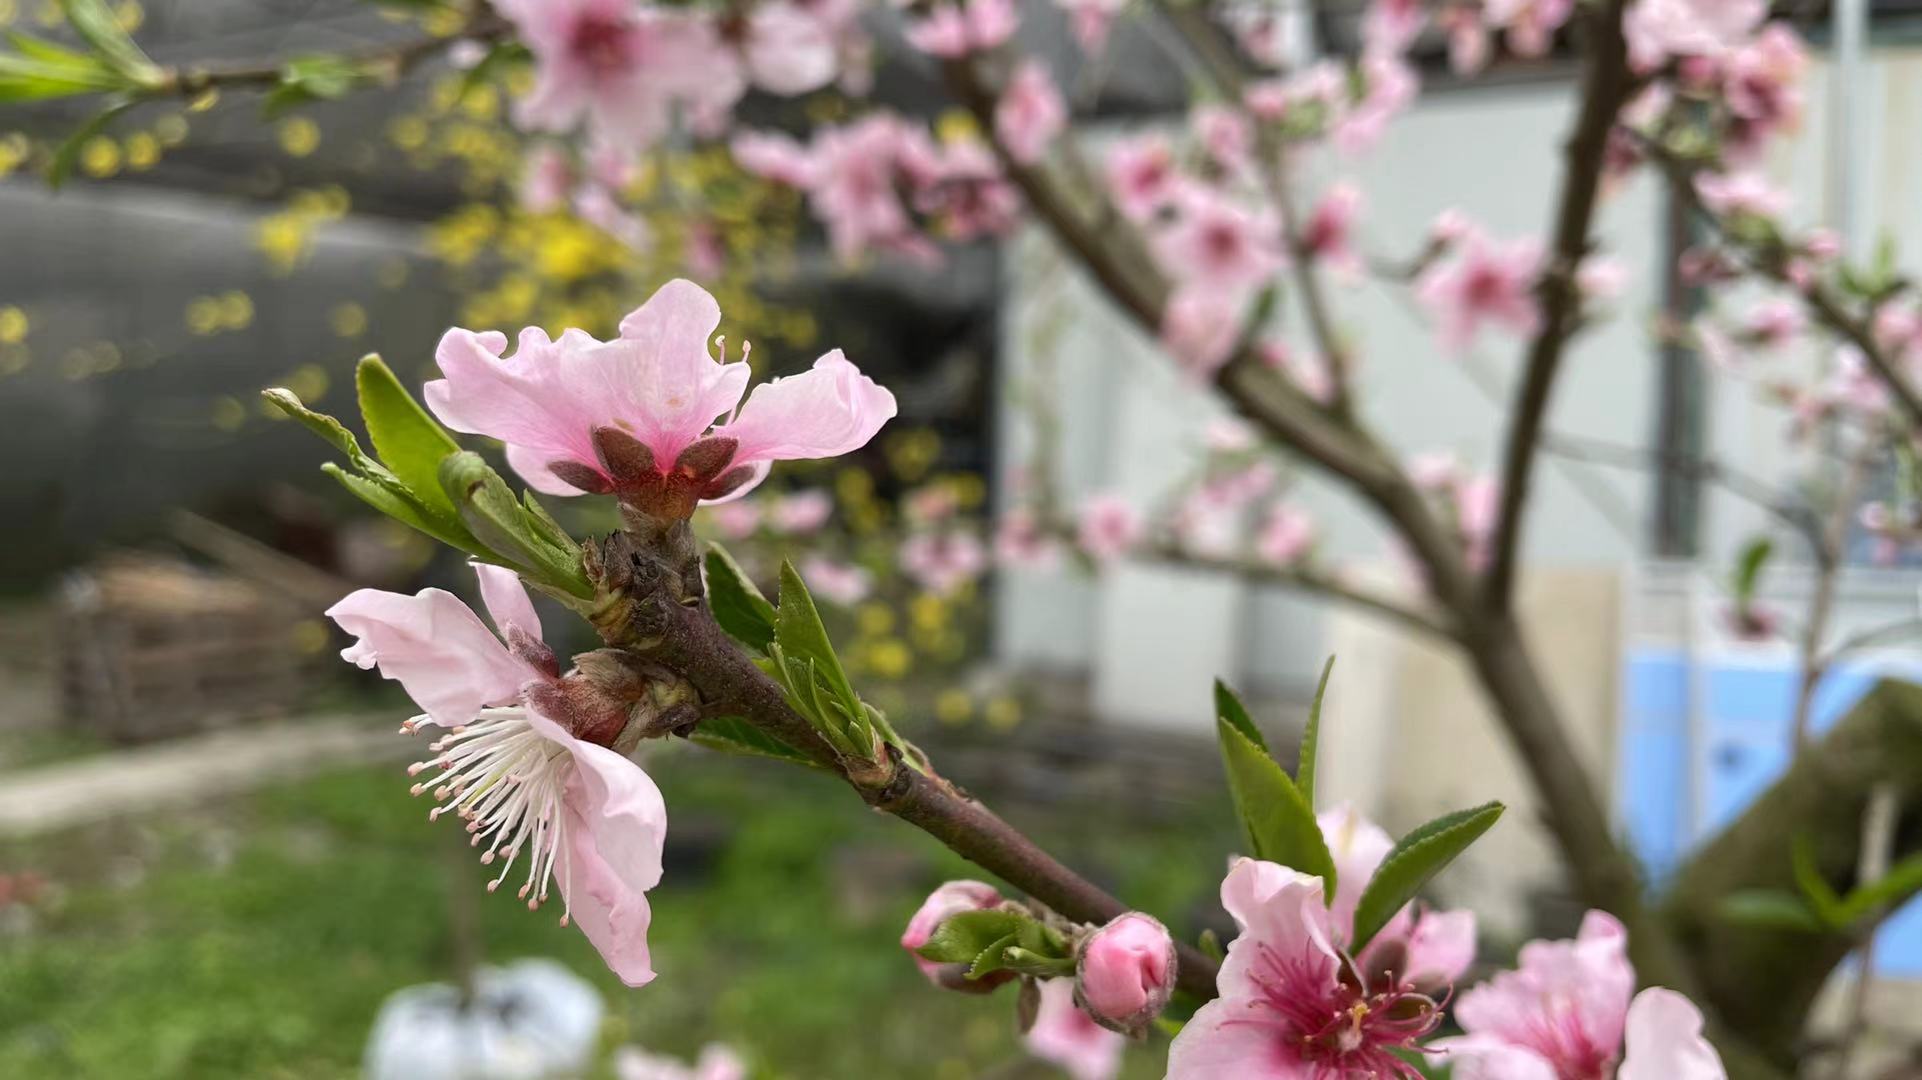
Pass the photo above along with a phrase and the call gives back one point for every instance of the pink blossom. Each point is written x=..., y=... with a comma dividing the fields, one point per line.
x=1286, y=535
x=1020, y=541
x=1762, y=84
x=942, y=562
x=598, y=206
x=736, y=519
x=1660, y=29
x=800, y=512
x=1106, y=527
x=953, y=30
x=1218, y=244
x=1328, y=232
x=579, y=414
x=1566, y=1011
x=1390, y=88
x=1124, y=972
x=1142, y=176
x=1262, y=31
x=1226, y=135
x=967, y=193
x=842, y=583
x=951, y=899
x=1530, y=24
x=1200, y=326
x=1286, y=1010
x=1065, y=1036
x=528, y=774
x=788, y=50
x=547, y=174
x=1477, y=508
x=1030, y=113
x=1600, y=277
x=1484, y=282
x=773, y=157
x=717, y=1062
x=1775, y=321
x=1090, y=20
x=853, y=189
x=1741, y=193
x=1389, y=27
x=1468, y=39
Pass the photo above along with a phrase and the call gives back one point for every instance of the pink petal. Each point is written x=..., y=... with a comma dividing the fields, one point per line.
x=1232, y=1037
x=506, y=600
x=1279, y=910
x=675, y=388
x=1068, y=1037
x=628, y=817
x=788, y=51
x=1442, y=946
x=823, y=412
x=435, y=647
x=1482, y=1057
x=533, y=399
x=1358, y=846
x=1664, y=1040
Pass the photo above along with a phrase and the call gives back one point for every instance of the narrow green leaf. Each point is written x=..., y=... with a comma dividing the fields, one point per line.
x=67, y=155
x=505, y=532
x=1311, y=737
x=393, y=501
x=1902, y=880
x=409, y=442
x=1410, y=864
x=1748, y=568
x=320, y=424
x=95, y=22
x=1820, y=894
x=798, y=628
x=1770, y=909
x=734, y=735
x=1280, y=825
x=736, y=603
x=962, y=938
x=1229, y=707
x=992, y=959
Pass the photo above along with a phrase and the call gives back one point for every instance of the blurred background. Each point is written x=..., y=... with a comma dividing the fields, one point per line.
x=208, y=863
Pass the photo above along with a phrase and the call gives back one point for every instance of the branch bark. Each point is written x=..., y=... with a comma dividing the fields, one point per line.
x=1606, y=85
x=1763, y=981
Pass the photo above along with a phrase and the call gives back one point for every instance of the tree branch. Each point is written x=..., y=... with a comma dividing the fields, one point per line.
x=1308, y=580
x=1606, y=85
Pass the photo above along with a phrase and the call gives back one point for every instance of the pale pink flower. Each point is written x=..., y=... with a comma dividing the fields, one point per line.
x=1020, y=541
x=1566, y=1012
x=1218, y=244
x=800, y=512
x=1030, y=113
x=1125, y=971
x=1741, y=193
x=854, y=185
x=1286, y=535
x=773, y=157
x=1602, y=278
x=1776, y=321
x=736, y=519
x=1477, y=509
x=1389, y=27
x=842, y=583
x=1328, y=233
x=942, y=562
x=1762, y=84
x=967, y=193
x=1204, y=525
x=951, y=899
x=1225, y=134
x=1090, y=20
x=787, y=49
x=1106, y=527
x=1286, y=1011
x=598, y=206
x=1262, y=31
x=529, y=774
x=1199, y=328
x=1142, y=176
x=1660, y=29
x=1229, y=435
x=547, y=175
x=1530, y=24
x=1069, y=1038
x=956, y=29
x=1391, y=85
x=717, y=1062
x=1482, y=282
x=573, y=411
x=1468, y=39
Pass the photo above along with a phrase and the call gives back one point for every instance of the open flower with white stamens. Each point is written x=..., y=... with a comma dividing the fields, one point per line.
x=538, y=792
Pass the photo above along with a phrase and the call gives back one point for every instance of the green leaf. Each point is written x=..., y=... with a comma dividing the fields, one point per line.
x=1229, y=707
x=320, y=424
x=1770, y=909
x=1280, y=825
x=503, y=526
x=1311, y=738
x=95, y=23
x=68, y=153
x=1815, y=888
x=1410, y=864
x=308, y=79
x=734, y=735
x=991, y=959
x=409, y=442
x=1903, y=879
x=1748, y=568
x=962, y=938
x=737, y=605
x=798, y=627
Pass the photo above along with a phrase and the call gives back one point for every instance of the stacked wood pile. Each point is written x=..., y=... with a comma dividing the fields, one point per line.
x=151, y=646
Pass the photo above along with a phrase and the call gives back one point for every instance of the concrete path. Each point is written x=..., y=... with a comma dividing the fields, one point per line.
x=184, y=771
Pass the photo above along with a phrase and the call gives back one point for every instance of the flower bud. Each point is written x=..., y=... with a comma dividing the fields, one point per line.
x=1125, y=971
x=949, y=900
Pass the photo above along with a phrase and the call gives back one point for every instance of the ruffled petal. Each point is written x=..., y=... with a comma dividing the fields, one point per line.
x=448, y=661
x=826, y=411
x=673, y=388
x=1664, y=1040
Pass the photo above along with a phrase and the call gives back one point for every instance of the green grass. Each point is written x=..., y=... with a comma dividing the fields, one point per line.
x=257, y=938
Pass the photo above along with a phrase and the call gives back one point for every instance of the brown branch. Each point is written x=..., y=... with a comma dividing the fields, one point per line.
x=679, y=633
x=1312, y=581
x=1606, y=86
x=388, y=61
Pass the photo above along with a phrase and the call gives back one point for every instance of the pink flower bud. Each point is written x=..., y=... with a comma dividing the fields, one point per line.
x=1125, y=972
x=949, y=900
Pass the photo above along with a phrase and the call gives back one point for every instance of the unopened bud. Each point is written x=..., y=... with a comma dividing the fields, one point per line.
x=951, y=899
x=616, y=699
x=1125, y=971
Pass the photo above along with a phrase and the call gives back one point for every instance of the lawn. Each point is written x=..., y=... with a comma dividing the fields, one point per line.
x=256, y=938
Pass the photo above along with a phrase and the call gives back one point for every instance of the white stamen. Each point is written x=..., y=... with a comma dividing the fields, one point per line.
x=506, y=782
